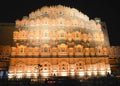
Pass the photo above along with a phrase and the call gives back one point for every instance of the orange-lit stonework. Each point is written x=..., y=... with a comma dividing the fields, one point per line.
x=64, y=41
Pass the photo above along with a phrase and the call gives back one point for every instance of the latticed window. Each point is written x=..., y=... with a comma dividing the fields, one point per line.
x=45, y=34
x=46, y=49
x=21, y=50
x=62, y=49
x=45, y=65
x=79, y=66
x=77, y=35
x=63, y=66
x=78, y=49
x=62, y=34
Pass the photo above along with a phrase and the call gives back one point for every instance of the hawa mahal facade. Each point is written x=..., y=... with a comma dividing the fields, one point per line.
x=59, y=41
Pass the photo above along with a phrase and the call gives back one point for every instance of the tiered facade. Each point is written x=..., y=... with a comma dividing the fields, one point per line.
x=63, y=41
x=114, y=59
x=5, y=52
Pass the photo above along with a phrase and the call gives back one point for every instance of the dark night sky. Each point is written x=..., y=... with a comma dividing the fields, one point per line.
x=107, y=10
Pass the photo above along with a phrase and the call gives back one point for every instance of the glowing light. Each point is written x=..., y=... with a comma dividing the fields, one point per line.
x=19, y=75
x=28, y=74
x=35, y=75
x=46, y=35
x=55, y=72
x=45, y=73
x=102, y=72
x=89, y=73
x=95, y=72
x=72, y=73
x=10, y=75
x=63, y=73
x=81, y=73
x=109, y=71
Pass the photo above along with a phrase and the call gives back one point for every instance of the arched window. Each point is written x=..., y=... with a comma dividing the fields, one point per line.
x=46, y=49
x=45, y=34
x=80, y=66
x=78, y=49
x=77, y=34
x=62, y=34
x=21, y=50
x=62, y=49
x=63, y=66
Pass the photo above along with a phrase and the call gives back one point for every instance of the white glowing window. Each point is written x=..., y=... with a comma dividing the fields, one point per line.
x=109, y=71
x=28, y=74
x=55, y=72
x=95, y=72
x=72, y=73
x=89, y=73
x=10, y=75
x=102, y=72
x=19, y=75
x=45, y=73
x=81, y=73
x=36, y=75
x=63, y=73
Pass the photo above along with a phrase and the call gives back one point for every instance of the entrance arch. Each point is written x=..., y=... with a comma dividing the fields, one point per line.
x=63, y=68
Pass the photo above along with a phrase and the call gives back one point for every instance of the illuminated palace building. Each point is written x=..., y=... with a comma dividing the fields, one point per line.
x=59, y=41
